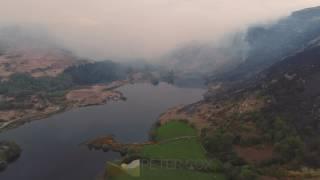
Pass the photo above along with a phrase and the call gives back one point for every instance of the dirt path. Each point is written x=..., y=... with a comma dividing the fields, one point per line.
x=177, y=139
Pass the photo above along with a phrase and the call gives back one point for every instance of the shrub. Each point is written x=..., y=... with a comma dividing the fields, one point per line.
x=219, y=143
x=290, y=148
x=247, y=173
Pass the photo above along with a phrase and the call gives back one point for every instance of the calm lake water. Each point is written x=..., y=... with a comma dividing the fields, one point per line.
x=51, y=149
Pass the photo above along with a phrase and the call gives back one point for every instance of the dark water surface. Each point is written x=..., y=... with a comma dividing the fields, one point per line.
x=51, y=148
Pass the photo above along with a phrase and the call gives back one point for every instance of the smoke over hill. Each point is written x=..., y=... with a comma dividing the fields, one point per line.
x=120, y=29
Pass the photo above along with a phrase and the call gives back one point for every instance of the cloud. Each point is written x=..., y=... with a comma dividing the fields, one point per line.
x=141, y=28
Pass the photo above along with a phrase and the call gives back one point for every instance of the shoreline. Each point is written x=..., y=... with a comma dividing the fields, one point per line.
x=69, y=104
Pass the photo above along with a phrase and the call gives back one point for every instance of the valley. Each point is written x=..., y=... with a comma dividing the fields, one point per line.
x=245, y=106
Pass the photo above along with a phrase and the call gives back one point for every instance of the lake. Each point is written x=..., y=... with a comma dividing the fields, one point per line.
x=51, y=146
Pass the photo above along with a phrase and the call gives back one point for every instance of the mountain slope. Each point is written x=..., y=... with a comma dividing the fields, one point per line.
x=201, y=59
x=269, y=44
x=295, y=86
x=272, y=119
x=32, y=51
x=36, y=62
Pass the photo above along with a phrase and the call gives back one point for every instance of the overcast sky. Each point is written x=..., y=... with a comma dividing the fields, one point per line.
x=142, y=28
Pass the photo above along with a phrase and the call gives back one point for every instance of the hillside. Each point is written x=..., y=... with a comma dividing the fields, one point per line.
x=36, y=62
x=270, y=120
x=32, y=51
x=273, y=42
x=200, y=59
x=241, y=56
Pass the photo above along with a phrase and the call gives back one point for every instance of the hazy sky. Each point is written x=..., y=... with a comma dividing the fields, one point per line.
x=141, y=28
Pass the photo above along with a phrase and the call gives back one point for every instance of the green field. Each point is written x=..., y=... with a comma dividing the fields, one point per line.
x=160, y=174
x=174, y=129
x=187, y=148
x=176, y=141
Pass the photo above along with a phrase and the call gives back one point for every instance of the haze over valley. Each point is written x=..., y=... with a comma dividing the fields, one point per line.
x=170, y=89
